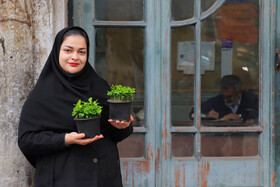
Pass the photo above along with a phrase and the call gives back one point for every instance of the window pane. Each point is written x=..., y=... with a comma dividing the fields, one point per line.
x=133, y=146
x=230, y=47
x=119, y=60
x=182, y=73
x=206, y=4
x=182, y=9
x=222, y=145
x=119, y=10
x=182, y=145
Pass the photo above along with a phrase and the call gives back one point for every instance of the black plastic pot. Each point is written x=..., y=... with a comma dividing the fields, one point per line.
x=91, y=127
x=119, y=110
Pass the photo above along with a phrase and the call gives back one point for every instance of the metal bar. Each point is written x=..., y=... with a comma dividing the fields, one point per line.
x=119, y=23
x=204, y=15
x=182, y=23
x=183, y=130
x=157, y=75
x=277, y=100
x=267, y=74
x=197, y=80
x=140, y=130
x=149, y=91
x=165, y=148
x=227, y=158
x=212, y=9
x=134, y=160
x=216, y=129
x=231, y=129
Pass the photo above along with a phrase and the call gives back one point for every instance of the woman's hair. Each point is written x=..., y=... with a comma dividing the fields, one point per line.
x=76, y=31
x=231, y=81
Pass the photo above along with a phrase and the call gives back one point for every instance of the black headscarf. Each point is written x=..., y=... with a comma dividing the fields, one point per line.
x=49, y=105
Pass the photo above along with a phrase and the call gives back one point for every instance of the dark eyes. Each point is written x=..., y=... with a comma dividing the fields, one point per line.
x=69, y=50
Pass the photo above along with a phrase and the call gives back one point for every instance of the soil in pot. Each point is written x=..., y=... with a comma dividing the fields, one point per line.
x=119, y=110
x=91, y=127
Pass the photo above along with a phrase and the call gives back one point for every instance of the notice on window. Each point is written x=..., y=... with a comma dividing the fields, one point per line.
x=185, y=57
x=226, y=57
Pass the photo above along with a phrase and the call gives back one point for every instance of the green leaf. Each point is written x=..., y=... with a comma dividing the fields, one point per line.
x=121, y=93
x=90, y=109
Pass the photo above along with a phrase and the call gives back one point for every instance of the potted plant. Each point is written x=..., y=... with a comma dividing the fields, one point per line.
x=87, y=117
x=120, y=102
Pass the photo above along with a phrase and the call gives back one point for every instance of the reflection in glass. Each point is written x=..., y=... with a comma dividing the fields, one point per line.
x=119, y=10
x=223, y=145
x=230, y=47
x=182, y=9
x=182, y=145
x=133, y=146
x=120, y=60
x=182, y=73
x=206, y=4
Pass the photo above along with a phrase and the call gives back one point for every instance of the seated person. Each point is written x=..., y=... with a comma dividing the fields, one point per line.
x=232, y=103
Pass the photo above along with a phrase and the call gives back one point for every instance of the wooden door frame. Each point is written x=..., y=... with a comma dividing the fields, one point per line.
x=135, y=171
x=157, y=71
x=266, y=88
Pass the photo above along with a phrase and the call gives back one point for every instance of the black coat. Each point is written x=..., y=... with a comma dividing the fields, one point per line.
x=58, y=165
x=46, y=117
x=248, y=101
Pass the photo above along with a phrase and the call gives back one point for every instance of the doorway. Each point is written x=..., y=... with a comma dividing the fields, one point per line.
x=175, y=53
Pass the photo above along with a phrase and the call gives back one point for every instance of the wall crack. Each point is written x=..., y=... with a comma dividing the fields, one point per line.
x=2, y=42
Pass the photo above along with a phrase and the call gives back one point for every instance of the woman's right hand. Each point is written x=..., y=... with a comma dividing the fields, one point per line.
x=76, y=138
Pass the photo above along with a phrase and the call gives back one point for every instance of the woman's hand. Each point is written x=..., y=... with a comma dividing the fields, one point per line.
x=76, y=138
x=121, y=124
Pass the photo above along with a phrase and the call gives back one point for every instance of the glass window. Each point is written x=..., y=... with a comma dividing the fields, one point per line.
x=182, y=73
x=119, y=60
x=225, y=145
x=182, y=9
x=133, y=146
x=182, y=145
x=206, y=4
x=230, y=48
x=119, y=10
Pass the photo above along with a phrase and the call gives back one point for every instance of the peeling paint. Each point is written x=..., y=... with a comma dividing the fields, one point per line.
x=184, y=175
x=177, y=174
x=204, y=172
x=157, y=161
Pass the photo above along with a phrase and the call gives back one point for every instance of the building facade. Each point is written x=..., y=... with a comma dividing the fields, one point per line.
x=174, y=52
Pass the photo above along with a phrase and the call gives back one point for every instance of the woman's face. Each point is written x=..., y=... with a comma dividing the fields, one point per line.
x=73, y=54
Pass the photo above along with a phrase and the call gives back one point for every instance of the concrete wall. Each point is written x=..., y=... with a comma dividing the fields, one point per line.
x=27, y=30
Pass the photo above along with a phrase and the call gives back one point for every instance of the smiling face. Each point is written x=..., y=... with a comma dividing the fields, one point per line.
x=73, y=54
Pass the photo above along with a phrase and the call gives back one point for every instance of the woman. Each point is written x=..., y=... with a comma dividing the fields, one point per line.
x=47, y=133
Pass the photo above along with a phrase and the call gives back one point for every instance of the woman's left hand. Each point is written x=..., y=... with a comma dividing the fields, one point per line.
x=121, y=124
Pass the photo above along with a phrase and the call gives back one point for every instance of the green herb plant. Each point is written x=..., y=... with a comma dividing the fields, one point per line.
x=121, y=93
x=87, y=110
